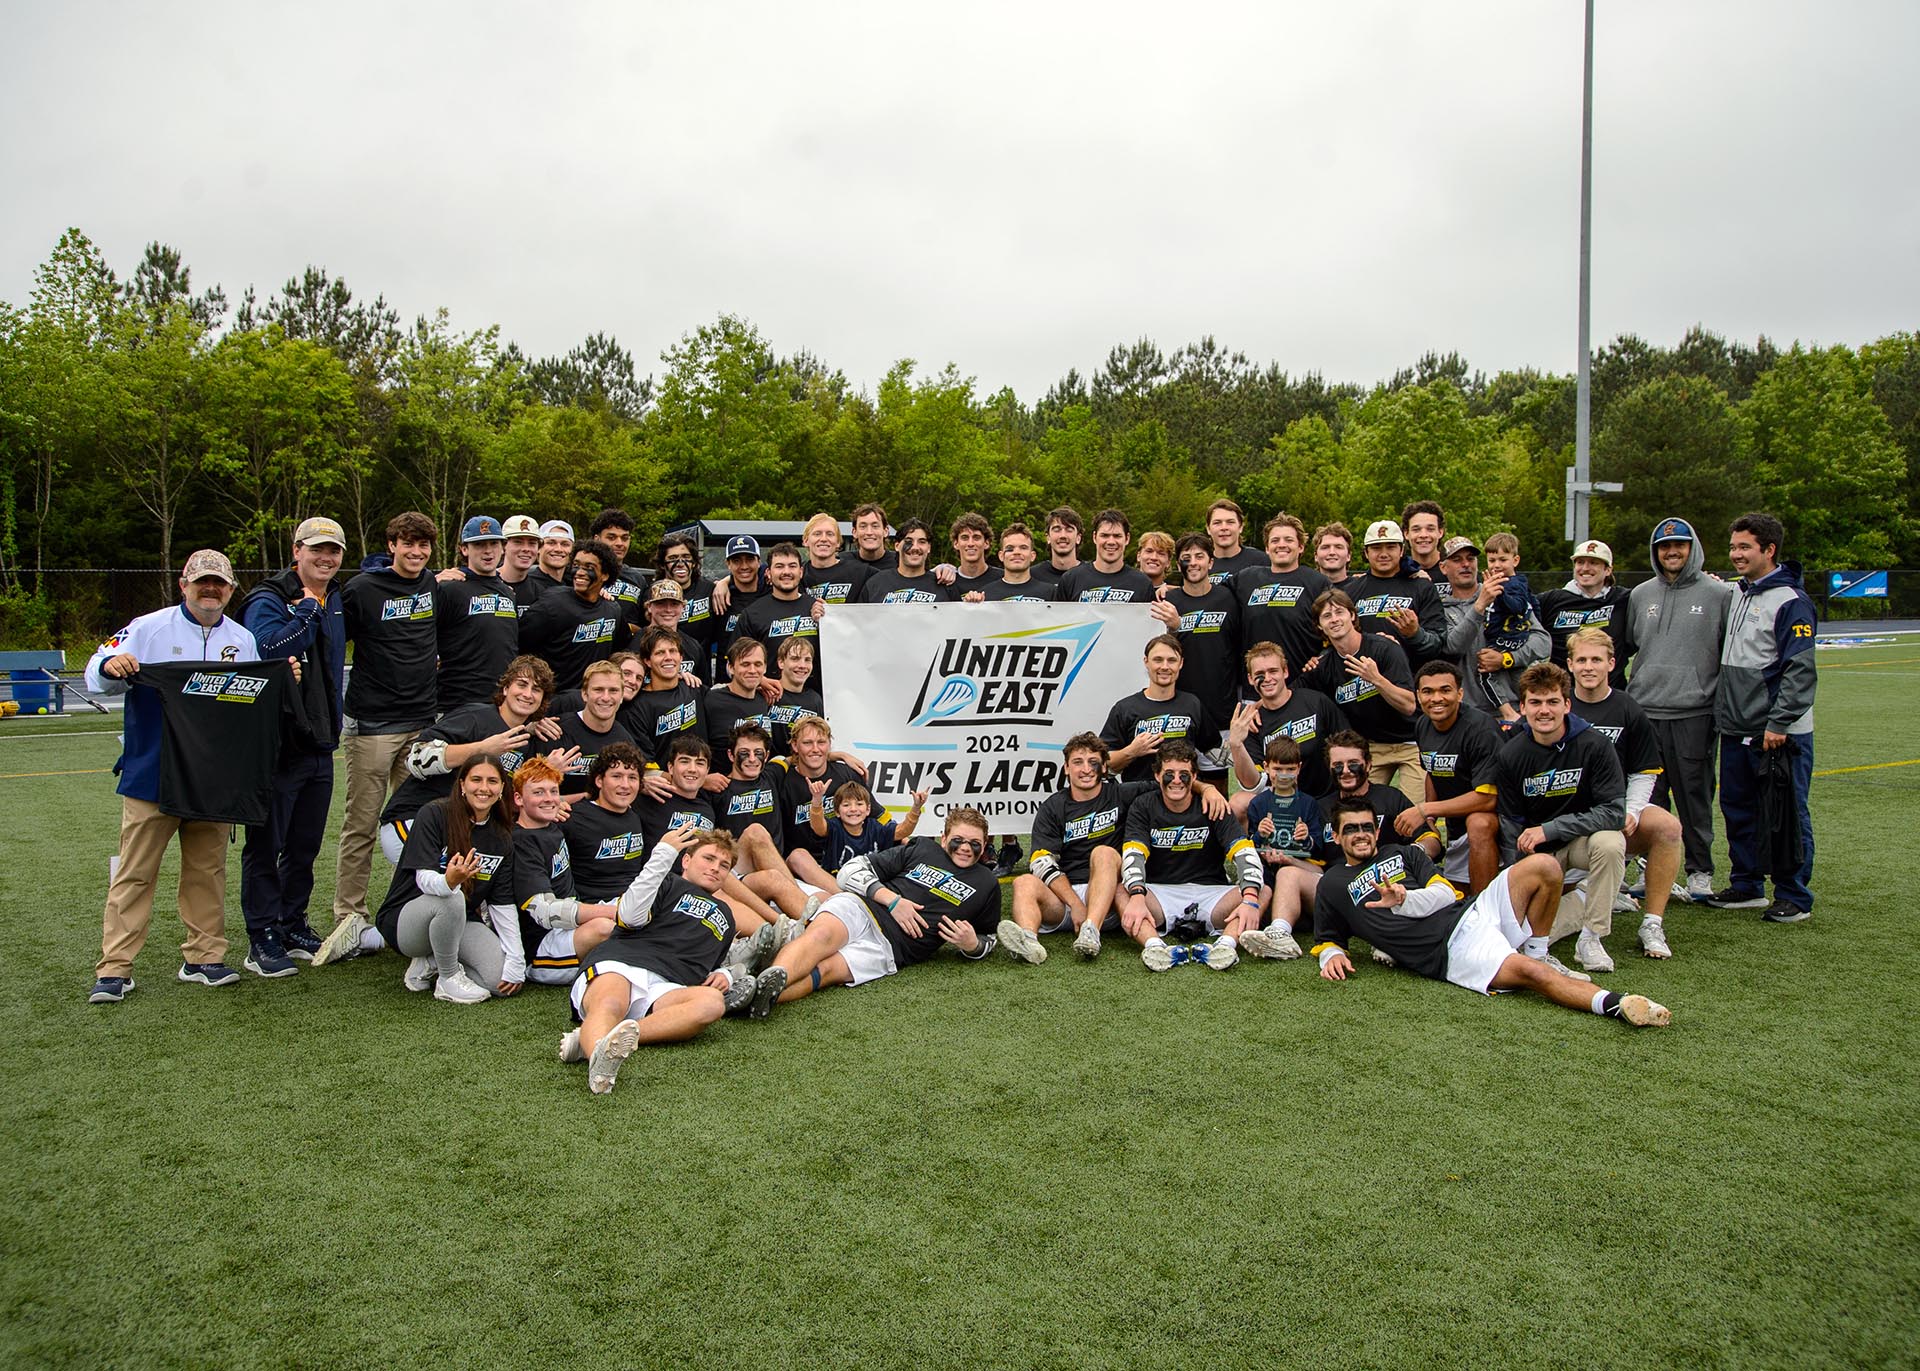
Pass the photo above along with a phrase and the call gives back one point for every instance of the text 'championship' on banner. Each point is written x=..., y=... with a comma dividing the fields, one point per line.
x=972, y=702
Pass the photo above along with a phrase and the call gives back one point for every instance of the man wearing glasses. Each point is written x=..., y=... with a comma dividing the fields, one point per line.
x=1394, y=898
x=580, y=623
x=897, y=909
x=1170, y=867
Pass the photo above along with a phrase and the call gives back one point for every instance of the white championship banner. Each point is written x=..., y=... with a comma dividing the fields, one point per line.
x=972, y=702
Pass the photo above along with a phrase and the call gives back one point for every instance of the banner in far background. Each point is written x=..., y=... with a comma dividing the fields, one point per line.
x=972, y=702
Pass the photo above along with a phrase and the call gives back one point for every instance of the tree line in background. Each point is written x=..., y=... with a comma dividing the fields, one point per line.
x=140, y=419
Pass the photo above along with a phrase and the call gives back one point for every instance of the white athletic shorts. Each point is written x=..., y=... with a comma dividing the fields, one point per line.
x=648, y=987
x=1174, y=900
x=869, y=955
x=1453, y=862
x=1066, y=915
x=1487, y=934
x=554, y=961
x=392, y=843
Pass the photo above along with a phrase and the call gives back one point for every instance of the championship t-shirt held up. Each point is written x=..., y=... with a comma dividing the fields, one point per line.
x=219, y=737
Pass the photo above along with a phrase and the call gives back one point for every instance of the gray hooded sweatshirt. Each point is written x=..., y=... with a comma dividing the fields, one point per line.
x=1677, y=627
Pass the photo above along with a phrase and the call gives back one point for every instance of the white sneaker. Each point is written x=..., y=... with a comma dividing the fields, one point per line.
x=1222, y=954
x=419, y=975
x=785, y=929
x=1021, y=942
x=343, y=942
x=457, y=987
x=1385, y=960
x=1157, y=957
x=1087, y=941
x=813, y=908
x=1553, y=963
x=603, y=1068
x=570, y=1046
x=1590, y=952
x=1653, y=938
x=1699, y=887
x=1642, y=1012
x=755, y=952
x=1624, y=903
x=1274, y=943
x=1636, y=878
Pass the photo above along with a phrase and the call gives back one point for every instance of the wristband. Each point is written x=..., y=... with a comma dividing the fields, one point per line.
x=1506, y=659
x=1136, y=890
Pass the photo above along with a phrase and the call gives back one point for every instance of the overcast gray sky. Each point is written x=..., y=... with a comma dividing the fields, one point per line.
x=1014, y=188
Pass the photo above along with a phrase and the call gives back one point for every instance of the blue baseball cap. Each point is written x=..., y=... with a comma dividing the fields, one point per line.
x=482, y=528
x=1673, y=531
x=740, y=545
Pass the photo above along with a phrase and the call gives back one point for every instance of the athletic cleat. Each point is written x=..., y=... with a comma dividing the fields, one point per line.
x=1220, y=956
x=759, y=949
x=1198, y=954
x=1590, y=952
x=1553, y=963
x=1624, y=903
x=767, y=989
x=1275, y=944
x=813, y=908
x=1021, y=943
x=265, y=957
x=1087, y=941
x=785, y=930
x=1733, y=899
x=110, y=990
x=1163, y=956
x=1383, y=958
x=1642, y=1012
x=300, y=941
x=1653, y=938
x=457, y=987
x=739, y=992
x=208, y=973
x=603, y=1067
x=1009, y=855
x=419, y=974
x=343, y=942
x=1699, y=887
x=570, y=1046
x=1780, y=912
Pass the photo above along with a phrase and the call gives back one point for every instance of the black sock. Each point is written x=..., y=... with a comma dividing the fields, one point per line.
x=1611, y=1008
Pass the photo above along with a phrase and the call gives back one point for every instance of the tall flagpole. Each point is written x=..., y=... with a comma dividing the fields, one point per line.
x=1580, y=480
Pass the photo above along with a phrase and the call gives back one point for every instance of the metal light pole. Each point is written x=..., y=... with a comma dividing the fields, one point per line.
x=1580, y=483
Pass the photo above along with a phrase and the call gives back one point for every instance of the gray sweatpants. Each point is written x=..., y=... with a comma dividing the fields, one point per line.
x=1684, y=787
x=437, y=926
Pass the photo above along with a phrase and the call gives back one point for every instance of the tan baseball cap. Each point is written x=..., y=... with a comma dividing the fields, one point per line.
x=520, y=526
x=1593, y=547
x=319, y=529
x=207, y=562
x=1384, y=531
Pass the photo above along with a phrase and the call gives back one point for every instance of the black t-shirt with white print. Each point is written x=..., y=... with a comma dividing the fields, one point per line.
x=1340, y=909
x=923, y=872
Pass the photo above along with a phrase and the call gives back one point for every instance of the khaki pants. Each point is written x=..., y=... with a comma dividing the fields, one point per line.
x=1603, y=856
x=144, y=834
x=1398, y=765
x=376, y=764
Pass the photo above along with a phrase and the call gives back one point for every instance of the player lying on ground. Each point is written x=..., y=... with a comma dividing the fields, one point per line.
x=660, y=978
x=1396, y=899
x=899, y=907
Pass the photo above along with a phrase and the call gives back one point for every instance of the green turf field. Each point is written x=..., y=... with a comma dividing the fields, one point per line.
x=977, y=1165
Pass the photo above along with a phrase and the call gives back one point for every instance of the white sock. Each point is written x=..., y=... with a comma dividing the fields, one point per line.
x=1600, y=1001
x=1228, y=940
x=1156, y=941
x=371, y=941
x=1282, y=925
x=1536, y=946
x=1653, y=919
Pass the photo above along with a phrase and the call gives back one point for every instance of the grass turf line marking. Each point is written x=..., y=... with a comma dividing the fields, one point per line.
x=32, y=775
x=1870, y=766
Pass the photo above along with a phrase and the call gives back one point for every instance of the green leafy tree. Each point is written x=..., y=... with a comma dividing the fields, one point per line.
x=571, y=458
x=1302, y=477
x=1677, y=447
x=1421, y=442
x=725, y=412
x=449, y=402
x=1826, y=459
x=156, y=368
x=1894, y=364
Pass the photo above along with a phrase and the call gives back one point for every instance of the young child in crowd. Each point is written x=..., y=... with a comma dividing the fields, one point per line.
x=1512, y=617
x=851, y=831
x=1284, y=821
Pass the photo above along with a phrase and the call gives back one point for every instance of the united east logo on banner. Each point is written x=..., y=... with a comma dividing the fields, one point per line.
x=972, y=702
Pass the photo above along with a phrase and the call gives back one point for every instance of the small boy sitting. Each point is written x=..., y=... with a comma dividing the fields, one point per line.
x=851, y=832
x=1283, y=819
x=1512, y=618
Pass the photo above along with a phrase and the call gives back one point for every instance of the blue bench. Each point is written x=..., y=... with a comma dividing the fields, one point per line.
x=33, y=680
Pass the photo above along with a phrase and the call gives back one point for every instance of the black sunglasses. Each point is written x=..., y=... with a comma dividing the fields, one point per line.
x=1346, y=829
x=1358, y=768
x=973, y=845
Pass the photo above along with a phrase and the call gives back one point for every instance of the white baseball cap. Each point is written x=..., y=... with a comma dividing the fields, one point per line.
x=1593, y=547
x=557, y=528
x=1384, y=531
x=520, y=526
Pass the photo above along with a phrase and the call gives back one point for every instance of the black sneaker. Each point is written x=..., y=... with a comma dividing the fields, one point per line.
x=1780, y=912
x=265, y=957
x=1733, y=899
x=208, y=973
x=299, y=941
x=110, y=990
x=1009, y=855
